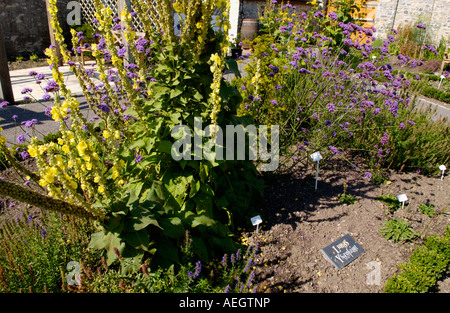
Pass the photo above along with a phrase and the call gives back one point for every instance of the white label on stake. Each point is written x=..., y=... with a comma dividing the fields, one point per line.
x=442, y=167
x=316, y=156
x=402, y=197
x=256, y=220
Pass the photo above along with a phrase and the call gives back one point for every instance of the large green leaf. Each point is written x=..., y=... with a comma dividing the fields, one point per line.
x=202, y=220
x=195, y=187
x=232, y=65
x=138, y=239
x=142, y=215
x=107, y=241
x=172, y=227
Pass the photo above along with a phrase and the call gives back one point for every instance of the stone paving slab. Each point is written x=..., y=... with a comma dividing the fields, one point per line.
x=26, y=112
x=20, y=79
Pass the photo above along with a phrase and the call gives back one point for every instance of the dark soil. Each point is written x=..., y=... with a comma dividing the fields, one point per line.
x=19, y=65
x=298, y=222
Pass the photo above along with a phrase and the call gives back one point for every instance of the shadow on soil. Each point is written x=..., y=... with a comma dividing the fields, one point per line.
x=293, y=197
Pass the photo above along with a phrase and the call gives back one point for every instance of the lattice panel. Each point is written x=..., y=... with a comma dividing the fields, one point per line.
x=88, y=9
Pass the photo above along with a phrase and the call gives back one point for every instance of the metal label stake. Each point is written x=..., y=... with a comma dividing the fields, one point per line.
x=316, y=157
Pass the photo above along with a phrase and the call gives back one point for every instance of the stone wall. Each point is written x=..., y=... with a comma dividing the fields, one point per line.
x=435, y=14
x=25, y=27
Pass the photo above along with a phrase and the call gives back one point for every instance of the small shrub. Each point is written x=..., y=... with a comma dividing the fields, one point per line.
x=428, y=210
x=432, y=66
x=436, y=94
x=427, y=264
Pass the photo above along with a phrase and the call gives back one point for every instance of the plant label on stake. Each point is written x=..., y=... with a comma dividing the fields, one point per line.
x=316, y=157
x=256, y=220
x=442, y=78
x=442, y=168
x=402, y=198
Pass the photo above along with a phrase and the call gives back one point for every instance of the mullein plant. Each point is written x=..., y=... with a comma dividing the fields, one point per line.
x=117, y=167
x=336, y=96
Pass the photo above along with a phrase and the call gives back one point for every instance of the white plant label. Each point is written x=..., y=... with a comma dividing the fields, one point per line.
x=442, y=168
x=402, y=198
x=316, y=158
x=256, y=220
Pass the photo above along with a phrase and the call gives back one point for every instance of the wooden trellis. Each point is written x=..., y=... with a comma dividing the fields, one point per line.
x=88, y=10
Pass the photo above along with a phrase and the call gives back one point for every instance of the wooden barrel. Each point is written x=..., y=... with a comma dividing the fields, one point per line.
x=249, y=28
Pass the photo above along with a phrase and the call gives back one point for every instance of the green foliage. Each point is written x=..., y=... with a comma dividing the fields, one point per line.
x=428, y=209
x=398, y=230
x=34, y=250
x=34, y=57
x=231, y=274
x=347, y=11
x=426, y=266
x=437, y=94
x=391, y=202
x=347, y=199
x=414, y=129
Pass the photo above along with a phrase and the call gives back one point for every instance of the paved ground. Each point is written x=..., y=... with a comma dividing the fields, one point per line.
x=20, y=79
x=25, y=112
x=441, y=110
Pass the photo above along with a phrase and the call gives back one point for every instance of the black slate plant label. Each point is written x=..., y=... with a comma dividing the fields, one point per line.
x=343, y=251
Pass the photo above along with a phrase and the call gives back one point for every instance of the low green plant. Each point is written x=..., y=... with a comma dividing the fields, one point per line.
x=428, y=210
x=398, y=230
x=391, y=202
x=347, y=199
x=427, y=264
x=34, y=57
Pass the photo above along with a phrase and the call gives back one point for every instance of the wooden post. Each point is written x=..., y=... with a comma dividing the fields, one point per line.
x=52, y=35
x=6, y=92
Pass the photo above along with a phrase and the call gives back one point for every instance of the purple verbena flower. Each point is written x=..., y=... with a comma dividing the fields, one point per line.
x=26, y=90
x=333, y=16
x=421, y=26
x=21, y=138
x=333, y=149
x=138, y=158
x=52, y=86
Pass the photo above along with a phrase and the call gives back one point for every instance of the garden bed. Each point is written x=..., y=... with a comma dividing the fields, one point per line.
x=24, y=64
x=298, y=222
